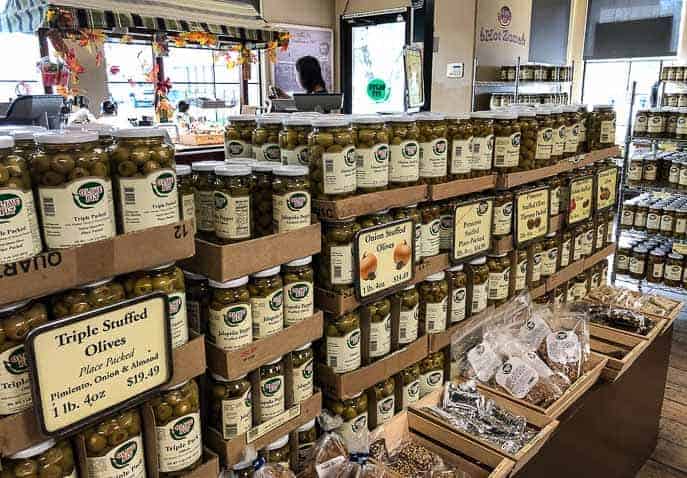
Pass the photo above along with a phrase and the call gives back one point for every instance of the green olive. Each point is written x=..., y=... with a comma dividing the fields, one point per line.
x=96, y=443
x=62, y=163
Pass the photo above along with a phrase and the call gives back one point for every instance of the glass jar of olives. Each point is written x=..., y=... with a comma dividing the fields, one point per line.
x=655, y=266
x=601, y=132
x=261, y=198
x=47, y=459
x=431, y=373
x=169, y=279
x=409, y=315
x=404, y=151
x=16, y=321
x=177, y=416
x=230, y=321
x=293, y=140
x=278, y=453
x=433, y=147
x=446, y=225
x=433, y=303
x=204, y=194
x=507, y=136
x=458, y=292
x=412, y=212
x=559, y=135
x=24, y=141
x=265, y=139
x=521, y=270
x=232, y=210
x=536, y=251
x=503, y=213
x=600, y=240
x=72, y=174
x=87, y=297
x=498, y=282
x=354, y=413
x=342, y=342
x=580, y=287
x=478, y=278
x=302, y=373
x=674, y=267
x=589, y=237
x=267, y=302
x=545, y=136
x=271, y=396
x=572, y=132
x=656, y=125
x=21, y=237
x=579, y=238
x=680, y=232
x=431, y=229
x=291, y=198
x=114, y=447
x=371, y=139
x=238, y=136
x=529, y=128
x=307, y=437
x=143, y=166
x=622, y=259
x=332, y=158
x=382, y=402
x=409, y=383
x=459, y=136
x=555, y=196
x=298, y=290
x=549, y=264
x=197, y=301
x=638, y=258
x=231, y=406
x=187, y=205
x=336, y=259
x=482, y=143
x=378, y=314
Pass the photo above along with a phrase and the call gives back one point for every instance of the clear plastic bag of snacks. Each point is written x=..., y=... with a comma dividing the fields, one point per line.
x=271, y=470
x=329, y=452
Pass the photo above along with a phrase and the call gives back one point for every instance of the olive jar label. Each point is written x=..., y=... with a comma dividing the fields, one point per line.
x=268, y=314
x=231, y=327
x=434, y=158
x=150, y=201
x=531, y=215
x=606, y=188
x=237, y=415
x=343, y=353
x=295, y=157
x=123, y=461
x=472, y=225
x=298, y=302
x=291, y=211
x=179, y=444
x=303, y=381
x=580, y=199
x=404, y=162
x=372, y=166
x=15, y=384
x=461, y=156
x=271, y=397
x=19, y=234
x=232, y=216
x=339, y=172
x=408, y=325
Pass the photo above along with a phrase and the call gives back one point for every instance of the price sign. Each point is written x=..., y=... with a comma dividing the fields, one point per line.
x=383, y=258
x=606, y=188
x=531, y=215
x=472, y=229
x=100, y=361
x=580, y=199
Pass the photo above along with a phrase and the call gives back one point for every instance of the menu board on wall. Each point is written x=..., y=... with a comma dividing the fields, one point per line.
x=317, y=42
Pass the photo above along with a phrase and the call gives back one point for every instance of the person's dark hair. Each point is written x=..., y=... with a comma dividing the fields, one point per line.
x=183, y=106
x=310, y=73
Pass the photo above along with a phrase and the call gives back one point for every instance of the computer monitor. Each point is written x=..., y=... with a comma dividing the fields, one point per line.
x=322, y=103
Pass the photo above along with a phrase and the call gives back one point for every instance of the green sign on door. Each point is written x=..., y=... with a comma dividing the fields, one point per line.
x=378, y=91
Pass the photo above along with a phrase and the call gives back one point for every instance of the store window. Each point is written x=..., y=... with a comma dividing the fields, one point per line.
x=128, y=67
x=21, y=51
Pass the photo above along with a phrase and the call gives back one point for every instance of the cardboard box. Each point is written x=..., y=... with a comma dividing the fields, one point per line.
x=461, y=187
x=223, y=263
x=62, y=269
x=347, y=385
x=189, y=360
x=368, y=203
x=231, y=451
x=454, y=438
x=232, y=365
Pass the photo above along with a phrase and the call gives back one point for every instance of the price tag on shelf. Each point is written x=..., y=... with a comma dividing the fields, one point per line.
x=472, y=229
x=100, y=361
x=531, y=215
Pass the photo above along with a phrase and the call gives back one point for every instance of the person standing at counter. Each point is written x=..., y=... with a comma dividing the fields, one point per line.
x=310, y=78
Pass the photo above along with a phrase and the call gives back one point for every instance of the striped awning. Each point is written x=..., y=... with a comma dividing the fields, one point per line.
x=231, y=19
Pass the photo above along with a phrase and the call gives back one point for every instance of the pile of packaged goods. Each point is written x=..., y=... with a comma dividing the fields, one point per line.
x=536, y=72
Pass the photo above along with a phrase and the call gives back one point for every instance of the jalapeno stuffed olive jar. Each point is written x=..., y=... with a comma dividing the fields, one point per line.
x=72, y=174
x=261, y=198
x=187, y=201
x=408, y=382
x=498, y=282
x=291, y=198
x=265, y=139
x=482, y=143
x=168, y=279
x=46, y=459
x=342, y=342
x=278, y=452
x=18, y=217
x=302, y=373
x=431, y=373
x=458, y=294
x=433, y=147
x=507, y=137
x=433, y=303
x=232, y=204
x=293, y=140
x=601, y=132
x=409, y=315
x=231, y=406
x=230, y=319
x=412, y=212
x=478, y=277
x=332, y=158
x=114, y=447
x=371, y=138
x=545, y=134
x=307, y=437
x=459, y=136
x=238, y=136
x=267, y=302
x=16, y=321
x=375, y=219
x=272, y=393
x=143, y=167
x=86, y=298
x=404, y=151
x=336, y=259
x=529, y=128
x=204, y=196
x=299, y=285
x=381, y=399
x=378, y=316
x=354, y=412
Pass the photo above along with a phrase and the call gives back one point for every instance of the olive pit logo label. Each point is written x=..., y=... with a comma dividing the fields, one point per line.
x=182, y=428
x=308, y=370
x=220, y=201
x=235, y=316
x=548, y=134
x=16, y=363
x=277, y=300
x=562, y=335
x=10, y=206
x=446, y=223
x=164, y=184
x=515, y=139
x=440, y=147
x=414, y=389
x=124, y=454
x=297, y=201
x=482, y=208
x=88, y=195
x=410, y=150
x=271, y=386
x=235, y=148
x=505, y=16
x=435, y=378
x=507, y=210
x=272, y=153
x=381, y=154
x=359, y=423
x=507, y=368
x=349, y=157
x=175, y=303
x=459, y=295
x=299, y=291
x=386, y=405
x=353, y=339
x=435, y=227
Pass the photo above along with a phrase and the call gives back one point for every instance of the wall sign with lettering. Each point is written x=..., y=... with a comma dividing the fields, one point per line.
x=472, y=229
x=383, y=258
x=580, y=199
x=531, y=215
x=606, y=188
x=100, y=361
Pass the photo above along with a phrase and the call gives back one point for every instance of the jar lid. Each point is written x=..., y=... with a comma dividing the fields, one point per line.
x=458, y=116
x=603, y=107
x=183, y=169
x=97, y=283
x=457, y=268
x=242, y=465
x=244, y=161
x=23, y=135
x=67, y=137
x=232, y=170
x=241, y=118
x=140, y=132
x=411, y=205
x=193, y=275
x=303, y=261
x=230, y=284
x=103, y=129
x=552, y=234
x=26, y=127
x=291, y=170
x=269, y=120
x=676, y=255
x=641, y=249
x=478, y=261
x=497, y=254
x=263, y=166
x=410, y=287
x=160, y=267
x=481, y=115
x=297, y=120
x=306, y=426
x=505, y=115
x=275, y=361
x=272, y=271
x=400, y=119
x=304, y=347
x=368, y=119
x=380, y=212
x=205, y=166
x=13, y=306
x=430, y=116
x=34, y=450
x=657, y=253
x=528, y=112
x=280, y=443
x=436, y=277
x=6, y=142
x=330, y=121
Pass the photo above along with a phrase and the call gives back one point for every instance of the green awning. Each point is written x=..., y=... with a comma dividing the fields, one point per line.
x=229, y=19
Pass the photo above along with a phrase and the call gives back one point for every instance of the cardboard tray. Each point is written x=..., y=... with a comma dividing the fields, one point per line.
x=339, y=303
x=62, y=269
x=461, y=187
x=223, y=263
x=427, y=424
x=189, y=360
x=575, y=391
x=370, y=202
x=231, y=451
x=347, y=385
x=438, y=342
x=232, y=365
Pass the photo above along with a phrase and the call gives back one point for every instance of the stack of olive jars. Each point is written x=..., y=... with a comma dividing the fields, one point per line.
x=661, y=214
x=668, y=122
x=651, y=259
